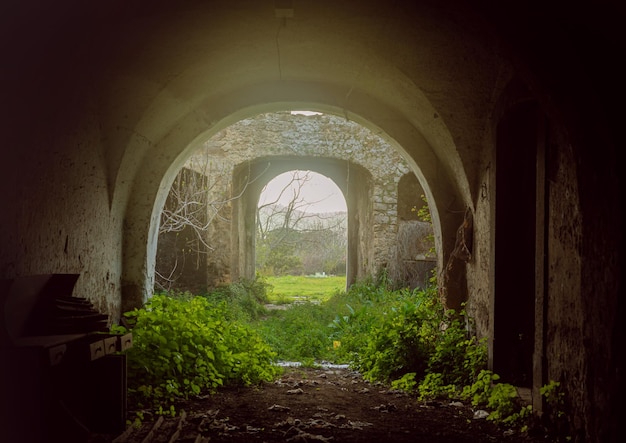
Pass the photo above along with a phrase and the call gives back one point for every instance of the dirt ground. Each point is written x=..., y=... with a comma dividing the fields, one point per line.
x=310, y=405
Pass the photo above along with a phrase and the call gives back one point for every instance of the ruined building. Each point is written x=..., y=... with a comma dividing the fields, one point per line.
x=383, y=230
x=506, y=112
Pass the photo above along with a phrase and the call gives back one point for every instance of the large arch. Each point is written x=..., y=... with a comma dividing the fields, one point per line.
x=148, y=196
x=217, y=69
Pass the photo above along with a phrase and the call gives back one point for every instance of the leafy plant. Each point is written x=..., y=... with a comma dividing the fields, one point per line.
x=423, y=213
x=501, y=399
x=478, y=392
x=299, y=333
x=246, y=299
x=434, y=386
x=405, y=383
x=503, y=403
x=401, y=337
x=457, y=356
x=554, y=397
x=554, y=417
x=183, y=346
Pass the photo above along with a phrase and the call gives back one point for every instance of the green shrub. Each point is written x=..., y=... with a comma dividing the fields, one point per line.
x=554, y=417
x=478, y=392
x=409, y=339
x=405, y=383
x=183, y=346
x=246, y=299
x=501, y=399
x=299, y=333
x=351, y=326
x=433, y=386
x=401, y=335
x=503, y=403
x=395, y=347
x=457, y=356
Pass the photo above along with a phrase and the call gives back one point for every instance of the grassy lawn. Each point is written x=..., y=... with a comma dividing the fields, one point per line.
x=289, y=288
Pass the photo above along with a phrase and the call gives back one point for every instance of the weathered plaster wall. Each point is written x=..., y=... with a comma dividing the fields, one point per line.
x=565, y=343
x=582, y=327
x=63, y=218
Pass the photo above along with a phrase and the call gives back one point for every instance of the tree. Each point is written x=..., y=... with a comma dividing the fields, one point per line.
x=198, y=201
x=291, y=239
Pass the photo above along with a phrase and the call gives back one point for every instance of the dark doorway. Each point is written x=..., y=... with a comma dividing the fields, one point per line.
x=514, y=303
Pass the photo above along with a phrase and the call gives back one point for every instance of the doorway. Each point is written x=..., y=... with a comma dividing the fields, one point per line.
x=515, y=245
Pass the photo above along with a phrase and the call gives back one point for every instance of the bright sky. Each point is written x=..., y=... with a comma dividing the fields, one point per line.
x=319, y=189
x=305, y=113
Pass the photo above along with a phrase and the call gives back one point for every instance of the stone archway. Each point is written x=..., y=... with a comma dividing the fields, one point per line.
x=147, y=201
x=282, y=135
x=354, y=182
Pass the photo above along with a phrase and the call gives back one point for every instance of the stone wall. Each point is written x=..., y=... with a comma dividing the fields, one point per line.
x=319, y=135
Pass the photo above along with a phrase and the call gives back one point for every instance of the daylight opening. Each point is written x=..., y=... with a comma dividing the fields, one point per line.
x=301, y=235
x=307, y=113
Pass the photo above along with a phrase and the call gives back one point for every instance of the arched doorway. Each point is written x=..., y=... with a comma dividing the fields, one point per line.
x=301, y=226
x=354, y=182
x=519, y=244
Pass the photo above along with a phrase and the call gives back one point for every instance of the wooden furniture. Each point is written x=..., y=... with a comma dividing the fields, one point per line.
x=62, y=375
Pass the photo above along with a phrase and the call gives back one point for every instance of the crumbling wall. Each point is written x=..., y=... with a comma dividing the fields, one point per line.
x=324, y=135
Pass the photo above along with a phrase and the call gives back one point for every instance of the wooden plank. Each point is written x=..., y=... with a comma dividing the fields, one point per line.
x=124, y=436
x=154, y=429
x=179, y=428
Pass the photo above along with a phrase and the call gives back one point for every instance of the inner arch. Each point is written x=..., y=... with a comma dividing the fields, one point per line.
x=353, y=180
x=316, y=193
x=301, y=226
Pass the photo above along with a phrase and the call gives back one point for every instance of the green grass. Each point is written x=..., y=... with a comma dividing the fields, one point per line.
x=300, y=333
x=289, y=288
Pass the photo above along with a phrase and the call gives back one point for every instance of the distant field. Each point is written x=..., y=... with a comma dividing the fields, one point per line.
x=288, y=288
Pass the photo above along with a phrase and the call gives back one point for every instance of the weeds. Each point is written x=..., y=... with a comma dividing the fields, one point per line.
x=298, y=333
x=186, y=344
x=183, y=346
x=245, y=299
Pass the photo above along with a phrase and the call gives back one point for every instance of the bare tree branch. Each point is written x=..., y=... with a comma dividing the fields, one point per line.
x=290, y=227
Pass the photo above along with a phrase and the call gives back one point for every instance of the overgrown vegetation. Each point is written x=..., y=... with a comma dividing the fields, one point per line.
x=185, y=345
x=244, y=299
x=299, y=333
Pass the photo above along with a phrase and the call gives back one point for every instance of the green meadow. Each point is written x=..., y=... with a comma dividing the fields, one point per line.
x=289, y=288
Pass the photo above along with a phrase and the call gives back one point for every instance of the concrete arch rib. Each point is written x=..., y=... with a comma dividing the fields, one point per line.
x=432, y=162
